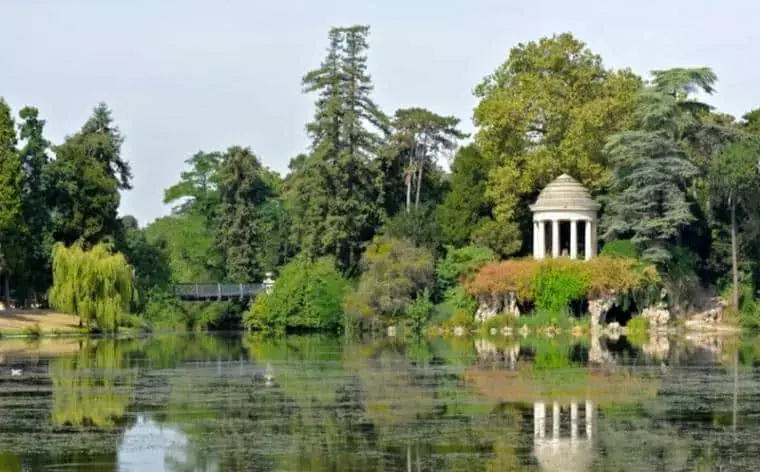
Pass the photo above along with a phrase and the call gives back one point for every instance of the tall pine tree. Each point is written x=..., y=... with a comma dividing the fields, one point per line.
x=36, y=276
x=12, y=228
x=335, y=194
x=88, y=173
x=243, y=191
x=649, y=201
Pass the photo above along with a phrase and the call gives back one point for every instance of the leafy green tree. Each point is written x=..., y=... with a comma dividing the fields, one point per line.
x=243, y=191
x=307, y=294
x=734, y=180
x=649, y=202
x=419, y=225
x=546, y=111
x=104, y=145
x=275, y=223
x=190, y=233
x=466, y=206
x=192, y=252
x=335, y=193
x=150, y=261
x=94, y=284
x=36, y=277
x=422, y=137
x=196, y=192
x=12, y=228
x=394, y=273
x=87, y=174
x=751, y=122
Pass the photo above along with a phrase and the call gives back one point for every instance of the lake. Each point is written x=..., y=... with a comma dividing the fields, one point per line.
x=229, y=402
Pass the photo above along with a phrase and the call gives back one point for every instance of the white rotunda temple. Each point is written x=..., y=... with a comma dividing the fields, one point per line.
x=561, y=209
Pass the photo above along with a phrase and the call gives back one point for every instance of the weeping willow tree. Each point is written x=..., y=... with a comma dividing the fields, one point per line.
x=94, y=284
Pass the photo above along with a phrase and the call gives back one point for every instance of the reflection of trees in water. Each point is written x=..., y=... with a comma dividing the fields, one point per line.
x=93, y=387
x=386, y=405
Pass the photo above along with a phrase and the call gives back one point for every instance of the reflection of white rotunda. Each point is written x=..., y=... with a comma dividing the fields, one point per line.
x=564, y=204
x=567, y=449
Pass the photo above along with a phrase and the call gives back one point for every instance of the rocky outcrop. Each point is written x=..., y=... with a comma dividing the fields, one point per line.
x=490, y=306
x=658, y=316
x=598, y=307
x=613, y=331
x=709, y=316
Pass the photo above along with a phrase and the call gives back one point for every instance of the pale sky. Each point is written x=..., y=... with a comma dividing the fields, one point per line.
x=186, y=75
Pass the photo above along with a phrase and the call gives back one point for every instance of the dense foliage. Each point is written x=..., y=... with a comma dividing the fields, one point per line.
x=93, y=284
x=675, y=177
x=308, y=294
x=394, y=273
x=552, y=284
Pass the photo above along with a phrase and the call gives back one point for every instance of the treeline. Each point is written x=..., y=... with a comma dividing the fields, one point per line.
x=369, y=210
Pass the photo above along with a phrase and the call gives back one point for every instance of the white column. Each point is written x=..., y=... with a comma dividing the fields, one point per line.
x=574, y=420
x=539, y=419
x=535, y=240
x=541, y=239
x=555, y=421
x=589, y=419
x=555, y=238
x=588, y=244
x=594, y=238
x=573, y=239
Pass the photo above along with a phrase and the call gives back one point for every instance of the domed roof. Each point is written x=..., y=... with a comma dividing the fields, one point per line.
x=565, y=193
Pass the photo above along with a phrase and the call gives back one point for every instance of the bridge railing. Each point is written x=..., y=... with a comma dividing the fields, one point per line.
x=207, y=291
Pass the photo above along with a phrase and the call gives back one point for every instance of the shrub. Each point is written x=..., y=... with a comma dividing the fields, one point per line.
x=558, y=282
x=32, y=331
x=498, y=322
x=307, y=294
x=514, y=275
x=461, y=318
x=619, y=275
x=638, y=330
x=458, y=298
x=394, y=271
x=553, y=283
x=459, y=263
x=164, y=310
x=637, y=323
x=419, y=312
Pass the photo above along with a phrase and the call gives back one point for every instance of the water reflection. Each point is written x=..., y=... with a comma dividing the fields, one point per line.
x=216, y=402
x=559, y=452
x=149, y=445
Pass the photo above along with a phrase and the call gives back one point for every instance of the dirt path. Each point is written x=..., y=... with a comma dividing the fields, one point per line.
x=12, y=320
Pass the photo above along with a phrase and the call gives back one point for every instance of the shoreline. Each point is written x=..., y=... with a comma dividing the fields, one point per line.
x=14, y=323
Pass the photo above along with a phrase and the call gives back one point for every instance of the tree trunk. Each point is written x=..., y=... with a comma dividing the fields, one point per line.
x=421, y=165
x=410, y=177
x=734, y=261
x=409, y=187
x=7, y=291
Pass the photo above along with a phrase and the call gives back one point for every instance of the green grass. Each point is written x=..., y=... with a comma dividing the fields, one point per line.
x=32, y=331
x=638, y=330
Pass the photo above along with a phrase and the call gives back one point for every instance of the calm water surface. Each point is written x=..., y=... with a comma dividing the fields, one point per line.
x=203, y=403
